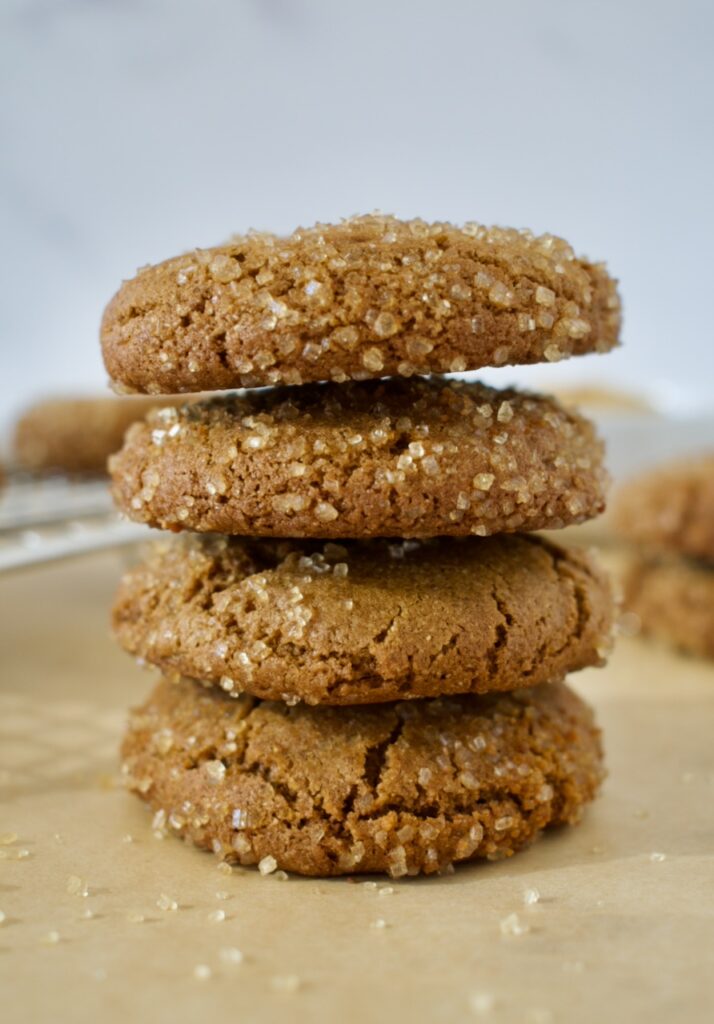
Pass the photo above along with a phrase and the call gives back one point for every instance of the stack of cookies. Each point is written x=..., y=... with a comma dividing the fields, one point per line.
x=667, y=516
x=362, y=648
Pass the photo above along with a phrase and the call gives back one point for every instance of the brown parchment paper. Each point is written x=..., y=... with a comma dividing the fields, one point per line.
x=617, y=935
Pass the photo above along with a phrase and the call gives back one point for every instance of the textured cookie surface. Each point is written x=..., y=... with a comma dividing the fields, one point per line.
x=674, y=601
x=75, y=435
x=399, y=788
x=671, y=508
x=393, y=458
x=365, y=622
x=369, y=297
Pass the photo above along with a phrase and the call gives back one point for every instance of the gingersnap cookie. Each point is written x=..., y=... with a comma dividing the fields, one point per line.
x=75, y=435
x=674, y=601
x=403, y=788
x=393, y=458
x=365, y=622
x=373, y=296
x=671, y=508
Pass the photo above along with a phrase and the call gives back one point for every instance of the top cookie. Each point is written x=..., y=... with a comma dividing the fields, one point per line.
x=671, y=508
x=373, y=296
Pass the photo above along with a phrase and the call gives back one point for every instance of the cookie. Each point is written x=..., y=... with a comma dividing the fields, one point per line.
x=671, y=508
x=75, y=435
x=399, y=788
x=373, y=296
x=365, y=622
x=392, y=458
x=674, y=601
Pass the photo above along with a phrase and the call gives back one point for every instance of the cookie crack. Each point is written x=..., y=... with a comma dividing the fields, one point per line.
x=289, y=795
x=376, y=757
x=221, y=352
x=383, y=634
x=568, y=572
x=447, y=646
x=486, y=798
x=492, y=656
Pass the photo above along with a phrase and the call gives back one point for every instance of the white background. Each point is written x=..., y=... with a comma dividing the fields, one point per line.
x=133, y=129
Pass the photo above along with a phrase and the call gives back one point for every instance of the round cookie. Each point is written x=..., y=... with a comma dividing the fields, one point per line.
x=674, y=601
x=671, y=508
x=399, y=788
x=75, y=435
x=365, y=622
x=373, y=296
x=424, y=457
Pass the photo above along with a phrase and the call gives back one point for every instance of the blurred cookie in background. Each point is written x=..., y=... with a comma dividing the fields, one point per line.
x=671, y=508
x=667, y=518
x=673, y=600
x=75, y=435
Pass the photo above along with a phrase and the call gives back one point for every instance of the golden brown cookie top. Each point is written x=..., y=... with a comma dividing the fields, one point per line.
x=400, y=788
x=671, y=508
x=360, y=623
x=372, y=296
x=423, y=457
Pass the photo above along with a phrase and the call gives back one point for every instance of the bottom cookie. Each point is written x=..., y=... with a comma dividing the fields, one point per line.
x=399, y=788
x=674, y=601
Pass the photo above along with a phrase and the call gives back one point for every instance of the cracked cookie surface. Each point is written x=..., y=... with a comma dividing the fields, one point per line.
x=425, y=457
x=364, y=622
x=403, y=788
x=372, y=296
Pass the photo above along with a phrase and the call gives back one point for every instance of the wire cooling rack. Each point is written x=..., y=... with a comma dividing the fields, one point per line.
x=50, y=518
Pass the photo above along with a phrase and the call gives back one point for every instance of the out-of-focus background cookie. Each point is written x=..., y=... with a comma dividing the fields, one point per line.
x=54, y=496
x=75, y=435
x=657, y=534
x=664, y=522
